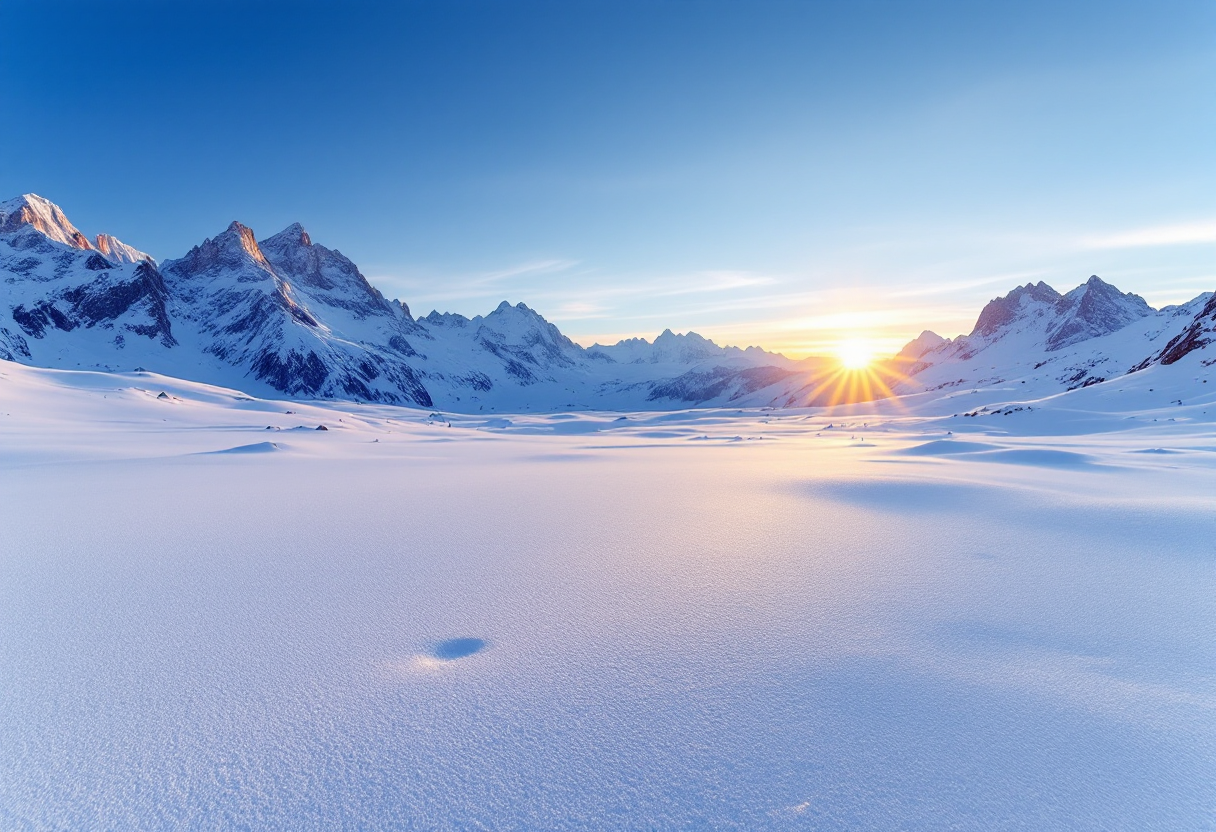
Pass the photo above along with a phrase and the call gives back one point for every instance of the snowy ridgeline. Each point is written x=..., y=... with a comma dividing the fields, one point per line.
x=287, y=316
x=878, y=616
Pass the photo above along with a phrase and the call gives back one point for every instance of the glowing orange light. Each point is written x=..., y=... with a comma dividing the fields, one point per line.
x=858, y=376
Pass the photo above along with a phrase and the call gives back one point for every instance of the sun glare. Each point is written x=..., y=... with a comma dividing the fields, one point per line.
x=855, y=355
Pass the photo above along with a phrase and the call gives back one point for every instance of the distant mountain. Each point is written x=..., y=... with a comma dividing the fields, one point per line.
x=44, y=216
x=921, y=344
x=288, y=316
x=291, y=317
x=299, y=318
x=62, y=298
x=1092, y=310
x=1051, y=342
x=31, y=211
x=116, y=251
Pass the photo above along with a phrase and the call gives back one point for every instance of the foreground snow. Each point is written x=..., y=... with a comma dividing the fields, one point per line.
x=213, y=615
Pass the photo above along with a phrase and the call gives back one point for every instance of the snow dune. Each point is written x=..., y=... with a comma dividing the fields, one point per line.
x=420, y=620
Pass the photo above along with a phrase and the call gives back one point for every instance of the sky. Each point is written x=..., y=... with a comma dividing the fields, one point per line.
x=788, y=175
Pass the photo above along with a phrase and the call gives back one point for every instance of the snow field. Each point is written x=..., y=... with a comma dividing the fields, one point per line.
x=587, y=622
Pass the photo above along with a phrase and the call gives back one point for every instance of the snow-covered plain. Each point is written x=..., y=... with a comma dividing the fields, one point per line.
x=215, y=616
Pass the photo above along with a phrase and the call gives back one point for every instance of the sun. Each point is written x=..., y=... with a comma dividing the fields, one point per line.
x=855, y=354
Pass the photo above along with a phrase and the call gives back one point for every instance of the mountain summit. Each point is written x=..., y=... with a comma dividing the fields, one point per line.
x=34, y=212
x=289, y=316
x=1093, y=309
x=1036, y=336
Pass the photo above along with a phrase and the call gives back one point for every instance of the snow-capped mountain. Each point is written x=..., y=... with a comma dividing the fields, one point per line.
x=289, y=316
x=117, y=251
x=667, y=348
x=920, y=345
x=33, y=211
x=30, y=211
x=302, y=321
x=1049, y=341
x=65, y=299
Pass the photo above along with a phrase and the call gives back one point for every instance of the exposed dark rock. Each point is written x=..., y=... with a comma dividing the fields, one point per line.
x=1200, y=333
x=1002, y=311
x=12, y=346
x=1095, y=309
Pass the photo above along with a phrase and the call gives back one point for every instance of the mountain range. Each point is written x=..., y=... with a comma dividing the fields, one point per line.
x=285, y=316
x=1053, y=342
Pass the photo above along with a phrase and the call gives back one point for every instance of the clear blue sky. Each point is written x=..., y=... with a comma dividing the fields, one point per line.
x=775, y=173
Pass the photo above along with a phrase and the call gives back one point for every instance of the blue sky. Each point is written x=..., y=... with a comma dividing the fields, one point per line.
x=782, y=174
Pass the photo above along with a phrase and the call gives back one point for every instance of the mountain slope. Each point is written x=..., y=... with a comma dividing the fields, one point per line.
x=1194, y=339
x=116, y=251
x=288, y=316
x=253, y=317
x=64, y=299
x=294, y=317
x=1036, y=337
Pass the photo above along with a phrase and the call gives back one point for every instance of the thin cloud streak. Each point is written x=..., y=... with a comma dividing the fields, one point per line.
x=531, y=268
x=529, y=280
x=1193, y=233
x=962, y=285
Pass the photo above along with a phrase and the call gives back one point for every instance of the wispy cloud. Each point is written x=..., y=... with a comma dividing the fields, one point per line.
x=578, y=311
x=1191, y=233
x=560, y=288
x=1010, y=279
x=425, y=288
x=529, y=269
x=716, y=281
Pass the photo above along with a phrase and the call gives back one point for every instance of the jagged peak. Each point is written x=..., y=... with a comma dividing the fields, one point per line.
x=1095, y=308
x=505, y=309
x=1038, y=291
x=690, y=336
x=31, y=210
x=293, y=235
x=445, y=318
x=242, y=235
x=1001, y=311
x=1097, y=287
x=234, y=245
x=116, y=251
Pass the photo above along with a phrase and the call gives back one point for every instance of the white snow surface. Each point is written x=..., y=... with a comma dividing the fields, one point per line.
x=42, y=214
x=1025, y=355
x=119, y=252
x=882, y=616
